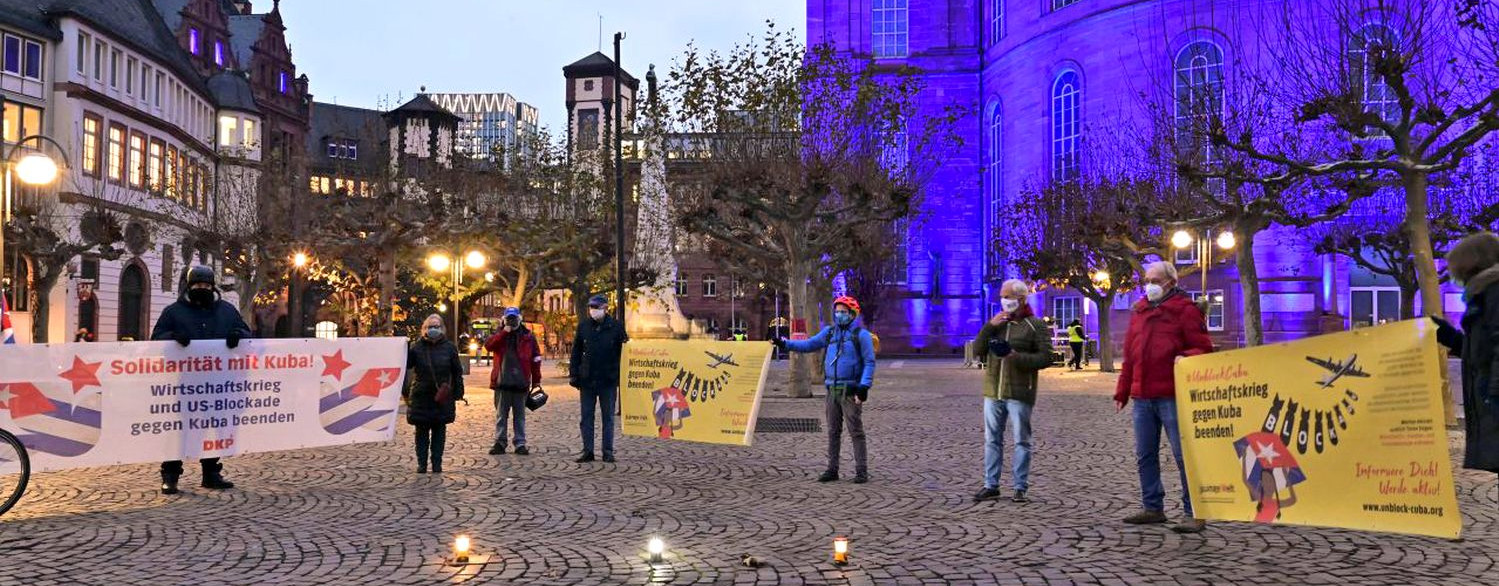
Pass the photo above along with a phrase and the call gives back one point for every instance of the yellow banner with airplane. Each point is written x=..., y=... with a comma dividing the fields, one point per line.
x=701, y=391
x=1343, y=430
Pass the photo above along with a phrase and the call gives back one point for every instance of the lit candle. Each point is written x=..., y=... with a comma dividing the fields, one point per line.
x=655, y=547
x=840, y=550
x=460, y=549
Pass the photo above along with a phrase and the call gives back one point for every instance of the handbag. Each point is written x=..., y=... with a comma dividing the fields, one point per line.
x=444, y=393
x=536, y=399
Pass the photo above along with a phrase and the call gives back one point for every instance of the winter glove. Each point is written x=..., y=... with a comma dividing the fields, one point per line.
x=859, y=392
x=232, y=340
x=182, y=338
x=1447, y=334
x=573, y=382
x=999, y=347
x=779, y=343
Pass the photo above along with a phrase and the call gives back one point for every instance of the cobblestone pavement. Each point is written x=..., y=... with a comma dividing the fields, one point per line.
x=361, y=515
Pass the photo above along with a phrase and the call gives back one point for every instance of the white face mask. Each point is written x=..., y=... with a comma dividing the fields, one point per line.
x=596, y=314
x=1154, y=292
x=1009, y=305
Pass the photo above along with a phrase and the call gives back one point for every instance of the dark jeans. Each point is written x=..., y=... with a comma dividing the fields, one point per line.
x=174, y=467
x=842, y=410
x=1151, y=416
x=602, y=402
x=1077, y=354
x=510, y=405
x=433, y=438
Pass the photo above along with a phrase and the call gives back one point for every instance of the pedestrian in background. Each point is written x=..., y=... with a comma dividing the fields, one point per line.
x=1077, y=340
x=1474, y=265
x=595, y=373
x=1017, y=346
x=199, y=314
x=1163, y=328
x=848, y=367
x=516, y=371
x=436, y=385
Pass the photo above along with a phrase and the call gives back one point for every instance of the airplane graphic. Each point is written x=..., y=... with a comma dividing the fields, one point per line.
x=1337, y=370
x=720, y=360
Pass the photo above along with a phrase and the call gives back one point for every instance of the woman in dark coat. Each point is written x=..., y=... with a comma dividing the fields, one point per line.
x=1474, y=265
x=436, y=377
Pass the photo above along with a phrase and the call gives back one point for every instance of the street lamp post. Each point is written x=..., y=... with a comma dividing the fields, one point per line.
x=619, y=190
x=441, y=262
x=1183, y=239
x=35, y=168
x=294, y=308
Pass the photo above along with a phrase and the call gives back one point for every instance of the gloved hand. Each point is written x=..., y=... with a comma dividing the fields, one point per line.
x=859, y=392
x=232, y=340
x=573, y=382
x=999, y=347
x=778, y=342
x=182, y=338
x=1447, y=334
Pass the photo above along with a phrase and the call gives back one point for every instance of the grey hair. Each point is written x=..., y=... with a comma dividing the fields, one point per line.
x=432, y=317
x=1165, y=267
x=1015, y=285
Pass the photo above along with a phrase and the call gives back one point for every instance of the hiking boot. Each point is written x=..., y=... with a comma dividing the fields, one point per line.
x=609, y=457
x=215, y=481
x=585, y=457
x=988, y=494
x=421, y=468
x=436, y=468
x=519, y=451
x=1190, y=526
x=861, y=477
x=498, y=449
x=1146, y=517
x=169, y=483
x=1019, y=497
x=828, y=476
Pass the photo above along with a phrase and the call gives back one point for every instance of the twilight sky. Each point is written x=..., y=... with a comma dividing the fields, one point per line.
x=357, y=52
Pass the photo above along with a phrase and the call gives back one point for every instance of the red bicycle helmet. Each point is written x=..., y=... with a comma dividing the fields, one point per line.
x=849, y=302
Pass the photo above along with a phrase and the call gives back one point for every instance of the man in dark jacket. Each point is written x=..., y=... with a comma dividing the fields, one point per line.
x=595, y=373
x=199, y=314
x=1163, y=327
x=516, y=371
x=1474, y=266
x=1018, y=347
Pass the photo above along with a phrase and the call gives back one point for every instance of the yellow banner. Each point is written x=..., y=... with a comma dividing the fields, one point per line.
x=699, y=391
x=1343, y=430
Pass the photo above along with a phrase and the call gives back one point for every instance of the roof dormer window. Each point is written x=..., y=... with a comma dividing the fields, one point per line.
x=218, y=53
x=194, y=44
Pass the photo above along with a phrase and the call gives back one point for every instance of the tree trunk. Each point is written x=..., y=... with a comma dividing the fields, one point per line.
x=41, y=312
x=384, y=324
x=1249, y=283
x=801, y=307
x=1418, y=231
x=1408, y=292
x=1105, y=332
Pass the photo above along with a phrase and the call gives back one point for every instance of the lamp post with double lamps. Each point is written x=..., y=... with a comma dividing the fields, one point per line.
x=441, y=262
x=29, y=166
x=1183, y=239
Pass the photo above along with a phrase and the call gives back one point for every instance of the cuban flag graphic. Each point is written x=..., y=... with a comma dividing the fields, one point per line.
x=345, y=408
x=52, y=419
x=7, y=333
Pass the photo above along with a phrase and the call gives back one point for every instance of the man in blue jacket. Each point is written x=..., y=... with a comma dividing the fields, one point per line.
x=849, y=371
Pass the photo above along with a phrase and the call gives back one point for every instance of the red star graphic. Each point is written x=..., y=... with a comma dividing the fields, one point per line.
x=374, y=380
x=335, y=364
x=672, y=398
x=83, y=374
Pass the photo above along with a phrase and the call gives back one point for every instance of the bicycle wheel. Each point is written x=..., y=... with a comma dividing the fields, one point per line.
x=15, y=470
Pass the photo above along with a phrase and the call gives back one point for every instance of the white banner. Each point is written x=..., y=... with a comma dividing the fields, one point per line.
x=97, y=404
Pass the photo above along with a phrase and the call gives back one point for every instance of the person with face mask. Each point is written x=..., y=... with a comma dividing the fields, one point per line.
x=1018, y=347
x=435, y=385
x=199, y=314
x=848, y=367
x=1474, y=266
x=1163, y=327
x=516, y=371
x=595, y=373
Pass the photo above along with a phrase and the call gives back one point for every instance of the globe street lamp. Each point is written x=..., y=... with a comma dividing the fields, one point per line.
x=1183, y=239
x=294, y=309
x=442, y=263
x=32, y=168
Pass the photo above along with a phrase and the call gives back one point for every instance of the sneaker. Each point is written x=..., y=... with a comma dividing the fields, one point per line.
x=987, y=494
x=828, y=476
x=1019, y=497
x=861, y=478
x=499, y=449
x=437, y=468
x=421, y=469
x=519, y=451
x=585, y=457
x=169, y=487
x=1146, y=517
x=1190, y=526
x=609, y=458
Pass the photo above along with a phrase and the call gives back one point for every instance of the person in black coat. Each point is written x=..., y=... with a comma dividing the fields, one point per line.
x=1474, y=266
x=199, y=314
x=595, y=373
x=436, y=386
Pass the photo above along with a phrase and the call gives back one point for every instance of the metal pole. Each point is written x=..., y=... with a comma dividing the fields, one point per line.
x=1207, y=263
x=457, y=282
x=619, y=192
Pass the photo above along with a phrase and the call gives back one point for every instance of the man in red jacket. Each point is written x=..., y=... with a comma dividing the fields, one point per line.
x=517, y=370
x=1163, y=327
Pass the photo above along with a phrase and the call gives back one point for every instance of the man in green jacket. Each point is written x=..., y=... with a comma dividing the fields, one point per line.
x=1017, y=346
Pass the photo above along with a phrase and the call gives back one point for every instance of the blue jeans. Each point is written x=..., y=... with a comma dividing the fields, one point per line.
x=1150, y=416
x=603, y=401
x=1018, y=414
